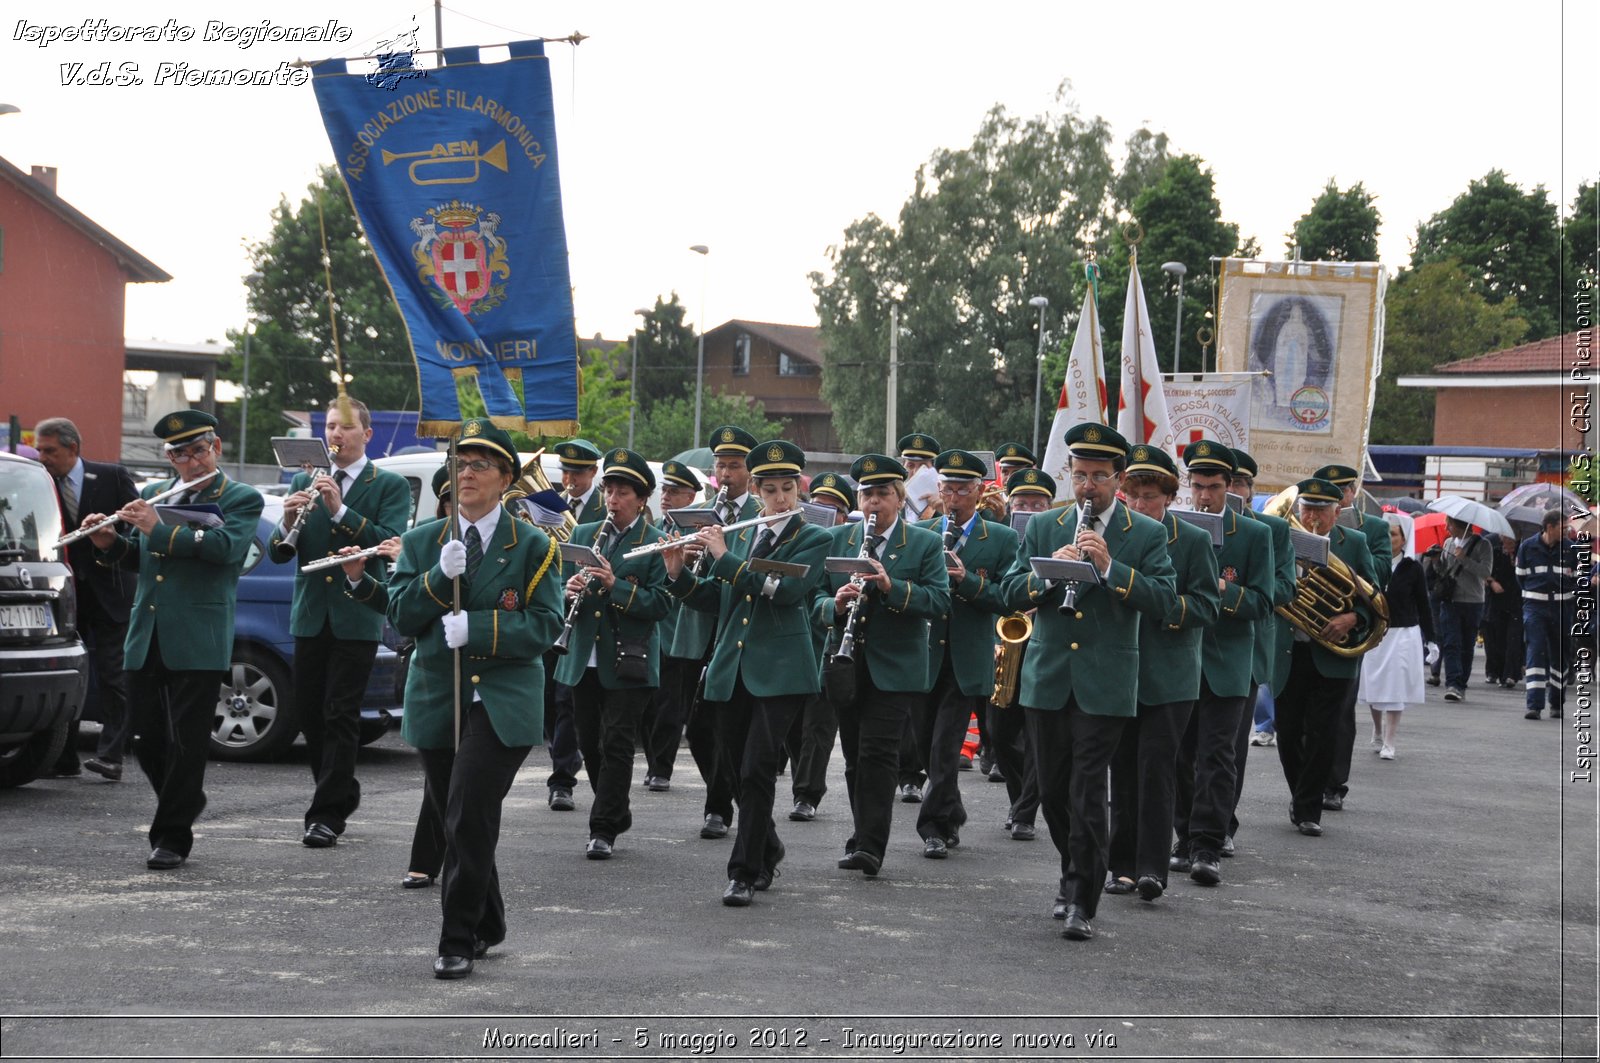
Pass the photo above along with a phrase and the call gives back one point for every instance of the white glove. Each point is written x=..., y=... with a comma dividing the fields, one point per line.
x=1430, y=654
x=455, y=630
x=453, y=558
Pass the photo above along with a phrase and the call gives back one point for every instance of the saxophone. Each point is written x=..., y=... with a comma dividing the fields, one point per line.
x=1014, y=631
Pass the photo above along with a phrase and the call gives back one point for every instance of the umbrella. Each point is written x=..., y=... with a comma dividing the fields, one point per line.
x=1406, y=504
x=1543, y=497
x=1469, y=512
x=697, y=458
x=1428, y=530
x=1529, y=516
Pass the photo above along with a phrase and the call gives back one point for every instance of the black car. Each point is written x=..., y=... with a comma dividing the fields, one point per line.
x=44, y=669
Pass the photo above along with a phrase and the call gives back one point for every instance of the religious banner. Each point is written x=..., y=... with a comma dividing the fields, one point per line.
x=1208, y=406
x=1315, y=330
x=452, y=172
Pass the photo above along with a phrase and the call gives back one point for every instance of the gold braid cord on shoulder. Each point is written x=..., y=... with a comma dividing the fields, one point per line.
x=549, y=558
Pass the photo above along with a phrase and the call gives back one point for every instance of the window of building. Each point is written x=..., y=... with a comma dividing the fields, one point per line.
x=741, y=355
x=788, y=365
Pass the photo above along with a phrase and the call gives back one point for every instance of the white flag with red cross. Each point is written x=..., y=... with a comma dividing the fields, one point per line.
x=1083, y=392
x=1142, y=404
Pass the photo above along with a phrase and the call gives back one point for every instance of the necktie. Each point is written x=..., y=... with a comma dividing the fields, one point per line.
x=474, y=551
x=342, y=480
x=69, y=501
x=764, y=543
x=874, y=545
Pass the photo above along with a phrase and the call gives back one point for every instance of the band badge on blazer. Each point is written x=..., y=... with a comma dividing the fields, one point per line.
x=632, y=579
x=1230, y=574
x=510, y=600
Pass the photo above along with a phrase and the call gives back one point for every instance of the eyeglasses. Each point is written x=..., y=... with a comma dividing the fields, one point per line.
x=188, y=454
x=956, y=489
x=1081, y=478
x=475, y=465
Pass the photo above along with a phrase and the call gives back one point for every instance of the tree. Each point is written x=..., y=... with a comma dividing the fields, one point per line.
x=668, y=427
x=1010, y=217
x=1339, y=227
x=667, y=348
x=1583, y=230
x=291, y=353
x=1433, y=315
x=603, y=399
x=1510, y=243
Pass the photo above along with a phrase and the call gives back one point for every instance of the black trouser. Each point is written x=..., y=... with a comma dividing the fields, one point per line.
x=1241, y=754
x=752, y=731
x=709, y=756
x=661, y=726
x=1144, y=775
x=940, y=721
x=871, y=732
x=560, y=732
x=1008, y=743
x=608, y=731
x=104, y=641
x=913, y=758
x=330, y=680
x=1344, y=744
x=173, y=712
x=1306, y=713
x=811, y=739
x=1073, y=748
x=1502, y=644
x=467, y=786
x=427, y=839
x=1207, y=764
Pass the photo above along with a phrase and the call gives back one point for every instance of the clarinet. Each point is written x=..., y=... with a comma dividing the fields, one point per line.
x=601, y=545
x=699, y=567
x=847, y=643
x=1069, y=599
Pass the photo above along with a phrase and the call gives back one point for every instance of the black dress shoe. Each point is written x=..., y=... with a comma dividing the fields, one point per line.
x=1333, y=802
x=952, y=840
x=714, y=827
x=1150, y=887
x=1059, y=909
x=560, y=800
x=1205, y=870
x=1531, y=714
x=452, y=966
x=1309, y=828
x=1023, y=832
x=480, y=948
x=738, y=894
x=803, y=812
x=163, y=860
x=598, y=849
x=910, y=793
x=856, y=860
x=1118, y=885
x=416, y=882
x=657, y=785
x=1227, y=846
x=319, y=836
x=1179, y=862
x=1077, y=928
x=934, y=848
x=110, y=769
x=763, y=879
x=66, y=771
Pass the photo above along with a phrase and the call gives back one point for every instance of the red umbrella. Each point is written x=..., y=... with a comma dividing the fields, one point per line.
x=1429, y=530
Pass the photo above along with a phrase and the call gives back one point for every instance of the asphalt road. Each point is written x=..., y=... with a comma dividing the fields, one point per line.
x=1448, y=912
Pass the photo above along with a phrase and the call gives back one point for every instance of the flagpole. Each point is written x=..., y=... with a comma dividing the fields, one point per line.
x=1093, y=272
x=1138, y=361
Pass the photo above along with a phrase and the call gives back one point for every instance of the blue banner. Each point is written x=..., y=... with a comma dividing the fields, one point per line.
x=453, y=174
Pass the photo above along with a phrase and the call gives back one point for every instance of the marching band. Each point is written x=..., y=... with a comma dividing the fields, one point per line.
x=887, y=609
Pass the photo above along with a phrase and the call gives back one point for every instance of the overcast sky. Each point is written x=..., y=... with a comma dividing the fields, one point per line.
x=762, y=130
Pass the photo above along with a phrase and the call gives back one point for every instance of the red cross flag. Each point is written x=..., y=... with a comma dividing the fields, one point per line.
x=1142, y=406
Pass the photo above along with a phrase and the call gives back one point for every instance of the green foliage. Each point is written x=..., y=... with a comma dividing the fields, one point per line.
x=668, y=427
x=1583, y=230
x=1339, y=227
x=1433, y=315
x=1510, y=243
x=1014, y=215
x=667, y=350
x=603, y=400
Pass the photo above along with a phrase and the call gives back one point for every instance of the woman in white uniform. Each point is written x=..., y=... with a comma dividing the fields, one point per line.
x=1392, y=674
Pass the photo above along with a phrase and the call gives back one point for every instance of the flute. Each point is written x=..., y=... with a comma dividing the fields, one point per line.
x=667, y=544
x=334, y=560
x=83, y=533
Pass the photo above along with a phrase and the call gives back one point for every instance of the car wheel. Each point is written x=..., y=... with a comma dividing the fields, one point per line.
x=22, y=762
x=255, y=710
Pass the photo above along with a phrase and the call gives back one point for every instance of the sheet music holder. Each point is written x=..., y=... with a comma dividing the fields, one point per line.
x=848, y=566
x=693, y=518
x=1348, y=518
x=1055, y=568
x=786, y=569
x=296, y=452
x=987, y=457
x=1019, y=522
x=820, y=515
x=203, y=514
x=578, y=554
x=1210, y=523
x=1235, y=502
x=1309, y=547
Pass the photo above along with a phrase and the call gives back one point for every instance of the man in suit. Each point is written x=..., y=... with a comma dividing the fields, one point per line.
x=1080, y=677
x=180, y=631
x=617, y=604
x=979, y=555
x=1319, y=679
x=764, y=666
x=662, y=723
x=580, y=461
x=887, y=671
x=694, y=640
x=336, y=639
x=104, y=594
x=1208, y=755
x=473, y=737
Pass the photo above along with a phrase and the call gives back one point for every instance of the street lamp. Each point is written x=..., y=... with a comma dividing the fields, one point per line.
x=1038, y=302
x=1177, y=269
x=700, y=357
x=633, y=379
x=250, y=281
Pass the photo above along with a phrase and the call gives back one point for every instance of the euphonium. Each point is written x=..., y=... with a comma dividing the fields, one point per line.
x=532, y=482
x=1322, y=593
x=1014, y=631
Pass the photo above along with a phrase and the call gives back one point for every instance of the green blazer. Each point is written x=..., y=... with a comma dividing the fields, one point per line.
x=1274, y=636
x=667, y=629
x=514, y=613
x=1376, y=530
x=768, y=643
x=1350, y=547
x=1092, y=655
x=1245, y=561
x=637, y=602
x=692, y=638
x=594, y=510
x=894, y=628
x=186, y=590
x=966, y=630
x=1169, y=646
x=376, y=508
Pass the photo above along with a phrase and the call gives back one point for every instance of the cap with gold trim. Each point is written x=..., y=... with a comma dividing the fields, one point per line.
x=677, y=474
x=629, y=467
x=730, y=439
x=1030, y=482
x=577, y=455
x=1096, y=441
x=836, y=486
x=1147, y=458
x=185, y=425
x=1010, y=456
x=480, y=433
x=1338, y=475
x=960, y=465
x=919, y=446
x=1244, y=463
x=871, y=470
x=776, y=457
x=1208, y=456
x=1315, y=491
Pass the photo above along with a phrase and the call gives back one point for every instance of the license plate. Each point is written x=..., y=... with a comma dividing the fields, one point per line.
x=25, y=618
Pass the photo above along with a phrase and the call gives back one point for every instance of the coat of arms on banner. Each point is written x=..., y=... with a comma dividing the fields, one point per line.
x=461, y=254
